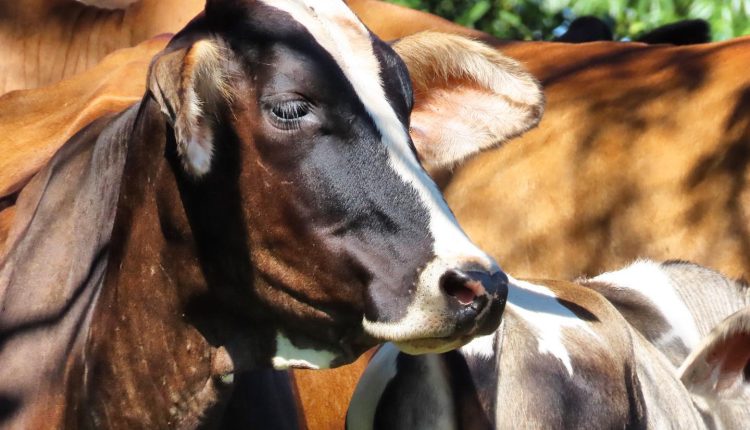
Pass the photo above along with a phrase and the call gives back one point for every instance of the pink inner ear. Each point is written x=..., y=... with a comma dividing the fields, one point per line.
x=450, y=124
x=733, y=358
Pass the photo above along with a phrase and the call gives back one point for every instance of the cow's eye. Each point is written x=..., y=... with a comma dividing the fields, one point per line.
x=288, y=113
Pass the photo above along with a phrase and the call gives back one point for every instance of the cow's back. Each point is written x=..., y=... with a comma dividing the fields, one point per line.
x=708, y=295
x=642, y=152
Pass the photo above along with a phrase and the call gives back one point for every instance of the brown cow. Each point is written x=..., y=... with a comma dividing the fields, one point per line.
x=640, y=154
x=106, y=90
x=73, y=39
x=149, y=325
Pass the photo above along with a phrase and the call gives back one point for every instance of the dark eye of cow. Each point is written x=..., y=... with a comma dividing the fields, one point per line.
x=288, y=113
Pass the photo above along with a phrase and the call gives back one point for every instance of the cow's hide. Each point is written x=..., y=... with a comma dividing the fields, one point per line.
x=55, y=262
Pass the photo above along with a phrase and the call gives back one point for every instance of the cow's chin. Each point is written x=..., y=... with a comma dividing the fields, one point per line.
x=435, y=345
x=486, y=324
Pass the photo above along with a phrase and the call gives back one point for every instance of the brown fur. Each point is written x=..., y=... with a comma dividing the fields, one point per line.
x=324, y=395
x=76, y=37
x=44, y=41
x=37, y=122
x=640, y=154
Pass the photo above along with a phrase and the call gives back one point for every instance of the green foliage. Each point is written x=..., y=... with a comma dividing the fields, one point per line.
x=544, y=19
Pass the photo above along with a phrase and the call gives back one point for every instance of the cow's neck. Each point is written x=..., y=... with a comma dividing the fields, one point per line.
x=163, y=342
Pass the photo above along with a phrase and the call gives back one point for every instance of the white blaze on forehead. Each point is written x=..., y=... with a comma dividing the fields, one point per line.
x=649, y=280
x=371, y=386
x=546, y=316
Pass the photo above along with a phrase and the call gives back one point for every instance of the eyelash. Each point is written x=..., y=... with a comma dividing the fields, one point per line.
x=289, y=113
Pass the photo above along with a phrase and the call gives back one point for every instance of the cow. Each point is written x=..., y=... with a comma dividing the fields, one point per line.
x=586, y=29
x=565, y=357
x=261, y=207
x=591, y=29
x=685, y=32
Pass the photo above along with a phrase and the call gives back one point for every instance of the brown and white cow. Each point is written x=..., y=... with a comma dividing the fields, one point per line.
x=262, y=206
x=565, y=357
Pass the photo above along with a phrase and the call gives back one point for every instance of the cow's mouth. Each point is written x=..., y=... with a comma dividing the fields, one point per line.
x=486, y=322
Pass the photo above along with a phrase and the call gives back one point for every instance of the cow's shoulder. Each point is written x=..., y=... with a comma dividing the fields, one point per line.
x=562, y=345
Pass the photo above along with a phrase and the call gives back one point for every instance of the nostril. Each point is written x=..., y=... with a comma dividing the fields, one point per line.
x=461, y=286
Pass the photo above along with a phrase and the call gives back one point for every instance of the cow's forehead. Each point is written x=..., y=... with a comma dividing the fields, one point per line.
x=337, y=30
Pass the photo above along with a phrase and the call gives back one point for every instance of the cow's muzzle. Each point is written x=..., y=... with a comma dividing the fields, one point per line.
x=477, y=298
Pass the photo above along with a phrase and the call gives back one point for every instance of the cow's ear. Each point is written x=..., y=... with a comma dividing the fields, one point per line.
x=467, y=96
x=189, y=84
x=720, y=366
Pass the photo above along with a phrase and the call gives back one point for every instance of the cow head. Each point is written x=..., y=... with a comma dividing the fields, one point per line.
x=309, y=206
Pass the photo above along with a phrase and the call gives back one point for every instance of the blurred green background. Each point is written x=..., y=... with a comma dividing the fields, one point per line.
x=545, y=19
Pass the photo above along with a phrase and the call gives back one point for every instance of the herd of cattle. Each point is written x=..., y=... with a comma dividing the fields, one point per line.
x=184, y=217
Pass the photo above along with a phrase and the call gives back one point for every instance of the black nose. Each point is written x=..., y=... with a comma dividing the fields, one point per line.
x=472, y=287
x=477, y=298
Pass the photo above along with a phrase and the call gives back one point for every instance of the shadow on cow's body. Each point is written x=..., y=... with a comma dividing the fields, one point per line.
x=252, y=213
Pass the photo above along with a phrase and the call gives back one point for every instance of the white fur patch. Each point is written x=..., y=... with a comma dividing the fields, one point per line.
x=289, y=356
x=379, y=372
x=540, y=309
x=648, y=279
x=482, y=347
